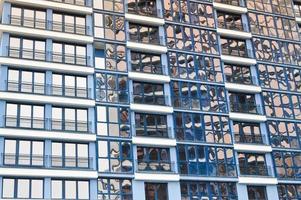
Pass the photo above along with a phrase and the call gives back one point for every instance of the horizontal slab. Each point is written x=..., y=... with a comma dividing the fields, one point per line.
x=242, y=88
x=259, y=148
x=150, y=48
x=151, y=108
x=257, y=180
x=238, y=60
x=152, y=141
x=148, y=77
x=230, y=8
x=156, y=177
x=234, y=33
x=155, y=21
x=247, y=117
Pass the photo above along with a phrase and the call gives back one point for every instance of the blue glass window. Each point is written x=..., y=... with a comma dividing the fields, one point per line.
x=287, y=164
x=110, y=188
x=274, y=6
x=149, y=93
x=289, y=191
x=151, y=125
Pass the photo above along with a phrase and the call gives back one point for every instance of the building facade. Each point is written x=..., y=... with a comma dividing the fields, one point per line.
x=150, y=99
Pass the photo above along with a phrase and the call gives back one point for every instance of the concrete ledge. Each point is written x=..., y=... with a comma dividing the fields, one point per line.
x=147, y=77
x=257, y=180
x=230, y=8
x=234, y=33
x=151, y=141
x=150, y=48
x=247, y=117
x=64, y=173
x=238, y=60
x=210, y=178
x=259, y=148
x=43, y=99
x=42, y=65
x=59, y=36
x=156, y=177
x=151, y=108
x=44, y=134
x=298, y=20
x=55, y=5
x=242, y=88
x=155, y=21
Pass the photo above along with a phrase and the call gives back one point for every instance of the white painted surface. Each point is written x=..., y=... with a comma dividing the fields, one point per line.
x=253, y=148
x=44, y=134
x=230, y=8
x=151, y=141
x=243, y=88
x=298, y=20
x=157, y=177
x=155, y=21
x=55, y=173
x=247, y=117
x=238, y=60
x=59, y=36
x=146, y=47
x=147, y=77
x=234, y=33
x=42, y=65
x=257, y=180
x=43, y=99
x=54, y=5
x=151, y=108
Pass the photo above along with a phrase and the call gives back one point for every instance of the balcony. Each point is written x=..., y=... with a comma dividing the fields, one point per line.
x=249, y=108
x=144, y=8
x=156, y=132
x=249, y=138
x=24, y=122
x=70, y=126
x=149, y=166
x=42, y=161
x=239, y=79
x=73, y=2
x=231, y=2
x=232, y=26
x=256, y=170
x=238, y=52
x=159, y=100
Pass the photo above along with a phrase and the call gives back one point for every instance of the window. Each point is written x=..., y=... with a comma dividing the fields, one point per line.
x=108, y=26
x=151, y=125
x=202, y=128
x=22, y=188
x=25, y=81
x=146, y=63
x=144, y=34
x=289, y=191
x=112, y=58
x=69, y=23
x=281, y=7
x=284, y=134
x=195, y=96
x=69, y=54
x=196, y=160
x=24, y=116
x=109, y=5
x=23, y=153
x=247, y=132
x=154, y=159
x=27, y=48
x=113, y=121
x=195, y=67
x=115, y=188
x=115, y=156
x=239, y=74
x=69, y=85
x=253, y=164
x=208, y=190
x=140, y=7
x=70, y=119
x=194, y=13
x=231, y=2
x=257, y=193
x=230, y=21
x=191, y=39
x=69, y=189
x=156, y=191
x=287, y=164
x=244, y=103
x=28, y=17
x=149, y=93
x=70, y=155
x=234, y=47
x=112, y=88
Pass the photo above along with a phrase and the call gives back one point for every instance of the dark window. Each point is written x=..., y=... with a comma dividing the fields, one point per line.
x=149, y=93
x=234, y=47
x=253, y=164
x=239, y=74
x=147, y=63
x=156, y=191
x=144, y=34
x=287, y=165
x=143, y=7
x=230, y=21
x=257, y=193
x=289, y=191
x=231, y=2
x=244, y=103
x=151, y=125
x=247, y=132
x=109, y=188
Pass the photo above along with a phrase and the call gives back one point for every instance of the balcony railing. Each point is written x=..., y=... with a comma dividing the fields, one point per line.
x=246, y=53
x=155, y=40
x=155, y=132
x=249, y=108
x=55, y=56
x=232, y=2
x=249, y=139
x=42, y=161
x=27, y=22
x=69, y=28
x=48, y=124
x=73, y=2
x=155, y=166
x=150, y=99
x=144, y=10
x=239, y=79
x=256, y=170
x=56, y=90
x=232, y=25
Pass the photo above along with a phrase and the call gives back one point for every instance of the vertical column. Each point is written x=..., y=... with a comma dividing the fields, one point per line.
x=6, y=12
x=49, y=18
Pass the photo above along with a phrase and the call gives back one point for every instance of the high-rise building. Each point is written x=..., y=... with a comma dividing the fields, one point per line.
x=150, y=99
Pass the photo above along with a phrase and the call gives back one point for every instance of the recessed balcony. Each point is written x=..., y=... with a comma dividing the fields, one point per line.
x=155, y=166
x=234, y=6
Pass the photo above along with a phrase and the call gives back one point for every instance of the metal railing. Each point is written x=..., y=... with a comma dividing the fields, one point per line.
x=155, y=132
x=231, y=2
x=256, y=170
x=73, y=2
x=232, y=25
x=250, y=108
x=58, y=90
x=249, y=138
x=143, y=10
x=68, y=27
x=24, y=122
x=238, y=78
x=155, y=166
x=46, y=161
x=152, y=99
x=156, y=40
x=25, y=87
x=71, y=126
x=24, y=53
x=74, y=59
x=148, y=68
x=246, y=53
x=27, y=22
